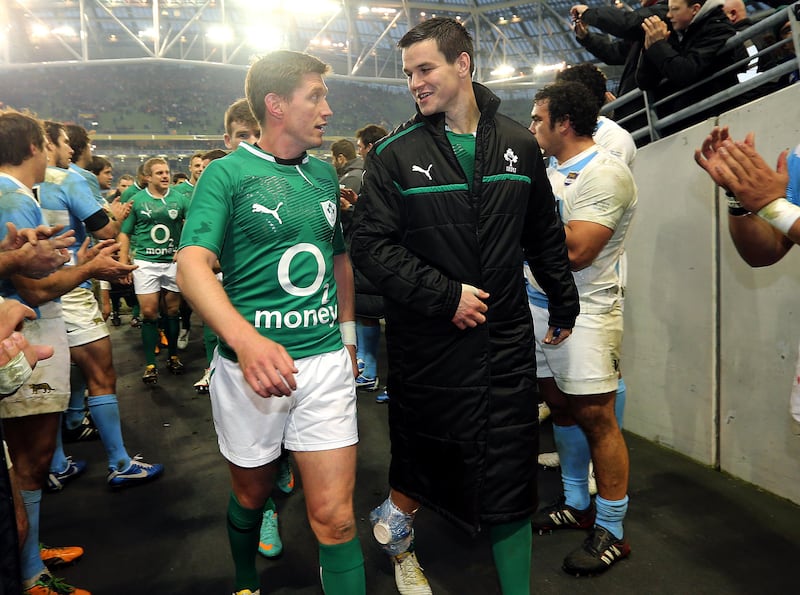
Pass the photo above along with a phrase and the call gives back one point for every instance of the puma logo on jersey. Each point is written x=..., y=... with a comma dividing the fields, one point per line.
x=426, y=172
x=257, y=208
x=147, y=212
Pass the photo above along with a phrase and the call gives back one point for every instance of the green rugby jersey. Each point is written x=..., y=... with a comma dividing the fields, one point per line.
x=154, y=225
x=130, y=192
x=275, y=229
x=184, y=188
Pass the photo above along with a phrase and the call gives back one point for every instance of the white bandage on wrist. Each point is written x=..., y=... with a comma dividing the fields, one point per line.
x=348, y=330
x=105, y=285
x=780, y=214
x=14, y=374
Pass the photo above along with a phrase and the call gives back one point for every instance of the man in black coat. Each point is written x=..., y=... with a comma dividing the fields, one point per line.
x=453, y=202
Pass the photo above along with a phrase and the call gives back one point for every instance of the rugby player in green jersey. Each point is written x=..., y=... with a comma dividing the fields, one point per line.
x=285, y=368
x=154, y=227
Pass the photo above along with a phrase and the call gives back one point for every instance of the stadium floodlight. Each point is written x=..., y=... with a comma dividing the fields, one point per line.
x=219, y=34
x=544, y=68
x=503, y=70
x=316, y=7
x=148, y=33
x=39, y=31
x=65, y=31
x=265, y=39
x=376, y=10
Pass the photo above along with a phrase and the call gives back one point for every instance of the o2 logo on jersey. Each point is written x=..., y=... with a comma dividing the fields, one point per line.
x=160, y=234
x=285, y=263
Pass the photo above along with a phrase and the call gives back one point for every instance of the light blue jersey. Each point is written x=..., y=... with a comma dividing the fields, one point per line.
x=94, y=185
x=17, y=206
x=67, y=200
x=793, y=188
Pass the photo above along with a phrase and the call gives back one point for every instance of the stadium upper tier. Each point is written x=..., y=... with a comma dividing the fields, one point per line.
x=357, y=37
x=173, y=98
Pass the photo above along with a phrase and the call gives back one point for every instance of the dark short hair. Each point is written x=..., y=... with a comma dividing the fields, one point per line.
x=589, y=76
x=18, y=131
x=452, y=39
x=78, y=140
x=371, y=134
x=98, y=164
x=278, y=72
x=214, y=154
x=344, y=147
x=180, y=175
x=53, y=130
x=570, y=101
x=239, y=111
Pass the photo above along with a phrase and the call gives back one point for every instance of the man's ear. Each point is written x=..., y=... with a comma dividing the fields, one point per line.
x=274, y=105
x=464, y=64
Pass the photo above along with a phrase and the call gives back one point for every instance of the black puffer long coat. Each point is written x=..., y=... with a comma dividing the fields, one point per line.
x=463, y=409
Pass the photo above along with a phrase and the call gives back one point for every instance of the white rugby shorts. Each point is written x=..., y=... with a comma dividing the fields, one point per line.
x=588, y=361
x=319, y=415
x=152, y=277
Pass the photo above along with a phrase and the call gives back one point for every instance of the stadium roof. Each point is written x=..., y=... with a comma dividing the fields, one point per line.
x=514, y=40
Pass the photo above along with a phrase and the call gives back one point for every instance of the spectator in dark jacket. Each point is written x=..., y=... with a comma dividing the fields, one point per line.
x=625, y=47
x=687, y=55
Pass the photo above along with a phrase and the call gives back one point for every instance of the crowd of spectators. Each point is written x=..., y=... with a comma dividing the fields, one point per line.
x=177, y=99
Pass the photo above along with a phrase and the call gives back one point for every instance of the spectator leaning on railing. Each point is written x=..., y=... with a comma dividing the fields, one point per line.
x=687, y=55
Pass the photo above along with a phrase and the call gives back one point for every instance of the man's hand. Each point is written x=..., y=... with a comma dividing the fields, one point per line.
x=471, y=308
x=120, y=210
x=737, y=167
x=576, y=12
x=12, y=316
x=745, y=173
x=348, y=199
x=267, y=366
x=556, y=335
x=580, y=29
x=100, y=259
x=655, y=30
x=39, y=251
x=351, y=350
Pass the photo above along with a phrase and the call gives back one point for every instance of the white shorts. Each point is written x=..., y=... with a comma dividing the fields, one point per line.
x=152, y=277
x=587, y=362
x=47, y=390
x=319, y=415
x=82, y=317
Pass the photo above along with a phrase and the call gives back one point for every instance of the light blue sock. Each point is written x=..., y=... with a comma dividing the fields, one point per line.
x=573, y=450
x=77, y=398
x=619, y=401
x=610, y=514
x=105, y=413
x=371, y=336
x=31, y=565
x=360, y=340
x=59, y=461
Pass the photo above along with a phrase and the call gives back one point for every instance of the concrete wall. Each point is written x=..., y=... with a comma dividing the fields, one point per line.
x=710, y=343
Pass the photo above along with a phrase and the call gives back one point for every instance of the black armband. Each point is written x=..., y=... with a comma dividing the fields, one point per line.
x=97, y=220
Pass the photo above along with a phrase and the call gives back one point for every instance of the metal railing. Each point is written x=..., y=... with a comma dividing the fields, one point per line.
x=656, y=125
